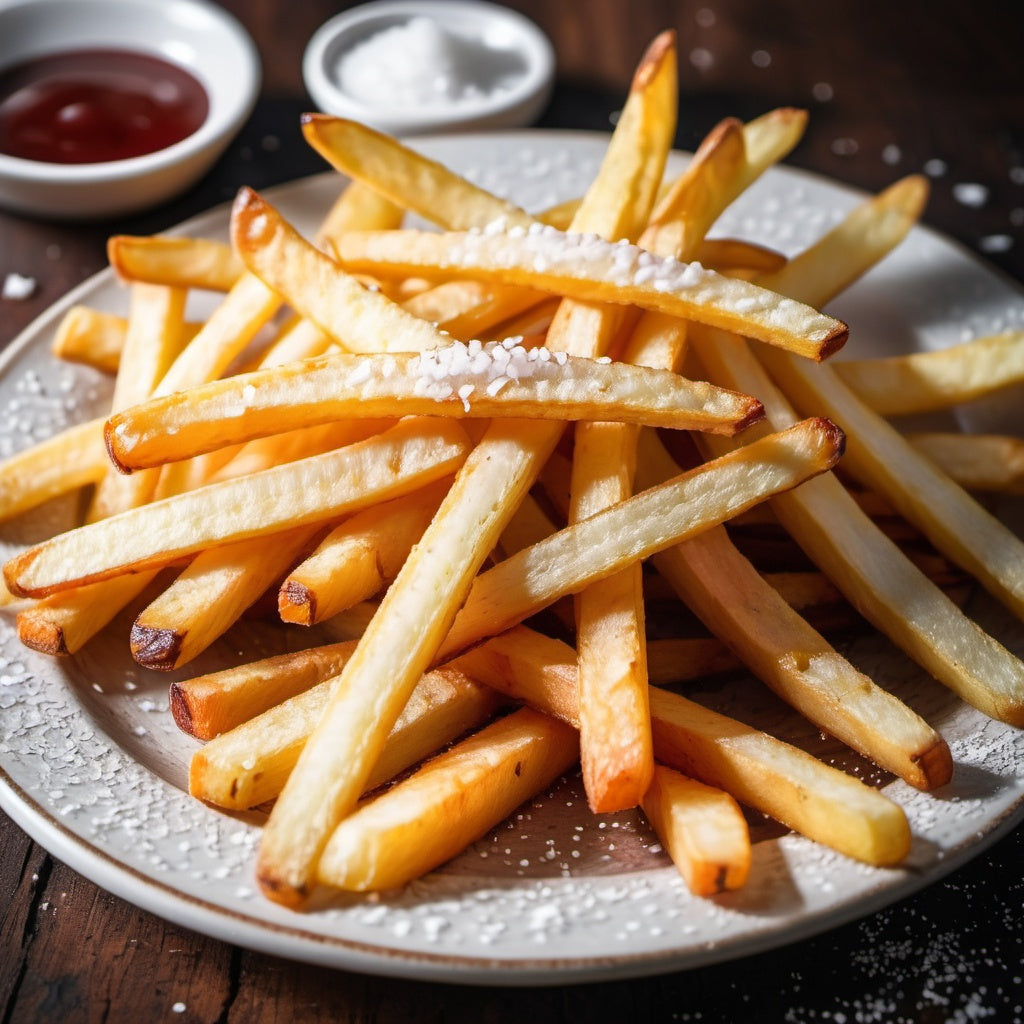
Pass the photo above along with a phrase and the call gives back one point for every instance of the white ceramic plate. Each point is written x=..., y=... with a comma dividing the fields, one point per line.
x=94, y=770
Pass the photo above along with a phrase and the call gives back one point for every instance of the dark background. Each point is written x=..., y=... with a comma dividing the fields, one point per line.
x=892, y=88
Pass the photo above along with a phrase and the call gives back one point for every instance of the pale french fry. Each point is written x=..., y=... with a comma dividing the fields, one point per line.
x=394, y=837
x=760, y=771
x=702, y=829
x=248, y=765
x=211, y=594
x=871, y=570
x=615, y=738
x=586, y=268
x=884, y=461
x=177, y=262
x=353, y=562
x=879, y=456
x=153, y=341
x=482, y=381
x=436, y=577
x=977, y=462
x=206, y=706
x=926, y=381
x=71, y=459
x=406, y=178
x=315, y=489
x=360, y=320
x=741, y=608
x=634, y=529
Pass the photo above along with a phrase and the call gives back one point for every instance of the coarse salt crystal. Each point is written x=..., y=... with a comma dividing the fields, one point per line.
x=18, y=286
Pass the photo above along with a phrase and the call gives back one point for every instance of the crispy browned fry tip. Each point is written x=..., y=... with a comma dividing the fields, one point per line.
x=297, y=603
x=155, y=648
x=833, y=343
x=181, y=710
x=663, y=44
x=41, y=635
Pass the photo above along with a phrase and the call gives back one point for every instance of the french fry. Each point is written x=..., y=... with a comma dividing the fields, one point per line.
x=394, y=837
x=407, y=179
x=682, y=660
x=755, y=621
x=760, y=771
x=178, y=262
x=736, y=257
x=588, y=269
x=790, y=785
x=153, y=341
x=63, y=463
x=827, y=523
x=91, y=337
x=927, y=381
x=206, y=706
x=309, y=490
x=248, y=765
x=353, y=562
x=702, y=829
x=615, y=738
x=360, y=320
x=634, y=529
x=880, y=457
x=977, y=462
x=63, y=623
x=211, y=594
x=483, y=381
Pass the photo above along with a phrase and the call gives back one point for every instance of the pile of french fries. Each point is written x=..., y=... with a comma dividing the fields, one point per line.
x=491, y=450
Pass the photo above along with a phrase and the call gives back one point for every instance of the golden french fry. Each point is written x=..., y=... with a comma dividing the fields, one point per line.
x=759, y=770
x=925, y=381
x=756, y=622
x=310, y=490
x=703, y=830
x=586, y=268
x=648, y=522
x=496, y=379
x=977, y=462
x=871, y=570
x=394, y=837
x=62, y=463
x=178, y=262
x=210, y=595
x=353, y=562
x=248, y=765
x=63, y=623
x=206, y=706
x=404, y=177
x=91, y=337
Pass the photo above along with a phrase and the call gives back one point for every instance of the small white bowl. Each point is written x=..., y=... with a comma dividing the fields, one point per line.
x=493, y=40
x=194, y=34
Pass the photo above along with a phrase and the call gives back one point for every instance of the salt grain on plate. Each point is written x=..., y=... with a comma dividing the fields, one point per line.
x=971, y=193
x=17, y=286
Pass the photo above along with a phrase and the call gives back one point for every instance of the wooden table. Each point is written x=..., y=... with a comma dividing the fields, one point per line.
x=892, y=88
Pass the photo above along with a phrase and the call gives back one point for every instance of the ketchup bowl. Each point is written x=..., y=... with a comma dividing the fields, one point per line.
x=108, y=107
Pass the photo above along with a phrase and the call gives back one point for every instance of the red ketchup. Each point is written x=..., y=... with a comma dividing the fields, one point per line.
x=93, y=106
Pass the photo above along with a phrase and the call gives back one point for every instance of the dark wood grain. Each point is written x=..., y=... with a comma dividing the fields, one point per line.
x=892, y=88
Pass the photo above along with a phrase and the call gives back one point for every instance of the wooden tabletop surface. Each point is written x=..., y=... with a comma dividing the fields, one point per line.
x=892, y=88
